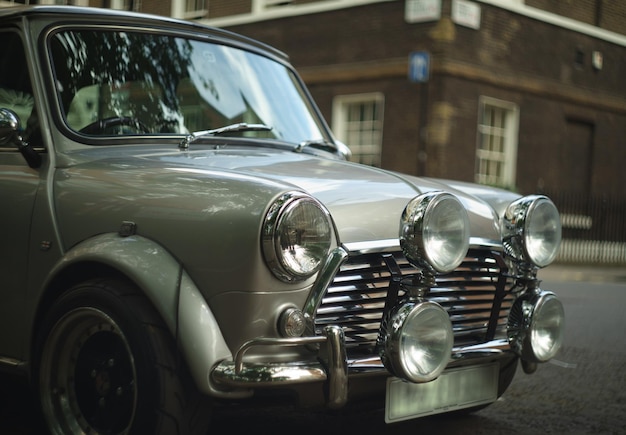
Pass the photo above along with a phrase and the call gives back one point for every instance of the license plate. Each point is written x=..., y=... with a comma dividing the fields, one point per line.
x=456, y=388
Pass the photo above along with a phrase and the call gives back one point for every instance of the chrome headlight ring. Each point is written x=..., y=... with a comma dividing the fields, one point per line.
x=416, y=340
x=296, y=236
x=532, y=231
x=434, y=232
x=536, y=326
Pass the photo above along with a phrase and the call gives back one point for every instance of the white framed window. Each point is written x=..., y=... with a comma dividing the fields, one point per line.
x=358, y=122
x=496, y=151
x=260, y=10
x=274, y=3
x=261, y=7
x=195, y=5
x=46, y=2
x=264, y=5
x=124, y=5
x=189, y=9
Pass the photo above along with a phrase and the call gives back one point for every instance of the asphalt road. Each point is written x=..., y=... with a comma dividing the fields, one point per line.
x=582, y=391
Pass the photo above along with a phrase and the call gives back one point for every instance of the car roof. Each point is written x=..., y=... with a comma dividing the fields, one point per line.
x=63, y=13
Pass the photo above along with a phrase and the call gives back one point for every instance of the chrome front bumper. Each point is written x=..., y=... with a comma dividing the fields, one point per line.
x=333, y=367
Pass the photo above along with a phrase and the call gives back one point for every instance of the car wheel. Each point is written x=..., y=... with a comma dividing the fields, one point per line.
x=108, y=365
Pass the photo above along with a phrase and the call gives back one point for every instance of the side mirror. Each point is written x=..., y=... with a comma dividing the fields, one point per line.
x=9, y=125
x=10, y=133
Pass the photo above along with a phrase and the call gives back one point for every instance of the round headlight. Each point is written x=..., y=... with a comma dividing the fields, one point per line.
x=434, y=231
x=546, y=327
x=297, y=235
x=532, y=230
x=543, y=232
x=536, y=326
x=418, y=341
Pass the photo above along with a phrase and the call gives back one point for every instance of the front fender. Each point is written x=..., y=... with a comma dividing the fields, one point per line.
x=171, y=291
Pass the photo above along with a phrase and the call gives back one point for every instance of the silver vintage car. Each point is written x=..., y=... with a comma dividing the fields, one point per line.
x=181, y=229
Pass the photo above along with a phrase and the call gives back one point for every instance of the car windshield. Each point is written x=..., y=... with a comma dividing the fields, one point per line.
x=131, y=82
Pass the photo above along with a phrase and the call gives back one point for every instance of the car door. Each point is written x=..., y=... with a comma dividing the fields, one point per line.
x=18, y=190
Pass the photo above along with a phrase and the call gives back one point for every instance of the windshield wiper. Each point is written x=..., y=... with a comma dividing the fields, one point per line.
x=242, y=126
x=335, y=147
x=316, y=143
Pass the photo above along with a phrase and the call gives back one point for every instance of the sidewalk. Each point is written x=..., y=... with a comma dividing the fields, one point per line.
x=586, y=273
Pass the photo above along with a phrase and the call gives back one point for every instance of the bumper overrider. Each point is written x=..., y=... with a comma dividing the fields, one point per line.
x=416, y=339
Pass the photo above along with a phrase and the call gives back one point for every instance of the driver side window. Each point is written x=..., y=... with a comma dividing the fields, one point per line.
x=15, y=88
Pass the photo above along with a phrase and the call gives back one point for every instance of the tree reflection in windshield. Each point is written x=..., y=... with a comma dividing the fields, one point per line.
x=114, y=82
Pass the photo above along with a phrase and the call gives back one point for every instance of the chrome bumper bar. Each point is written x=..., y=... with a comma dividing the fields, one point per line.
x=333, y=366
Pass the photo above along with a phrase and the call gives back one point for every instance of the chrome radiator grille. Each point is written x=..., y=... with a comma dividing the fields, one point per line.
x=476, y=295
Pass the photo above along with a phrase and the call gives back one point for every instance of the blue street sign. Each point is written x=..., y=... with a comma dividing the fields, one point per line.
x=419, y=66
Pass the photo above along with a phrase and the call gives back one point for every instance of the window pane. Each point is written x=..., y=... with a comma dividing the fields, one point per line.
x=16, y=92
x=496, y=150
x=361, y=126
x=194, y=5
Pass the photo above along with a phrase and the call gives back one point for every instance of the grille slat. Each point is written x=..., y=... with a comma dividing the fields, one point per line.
x=356, y=298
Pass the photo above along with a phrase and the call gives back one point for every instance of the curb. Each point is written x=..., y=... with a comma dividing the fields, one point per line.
x=583, y=273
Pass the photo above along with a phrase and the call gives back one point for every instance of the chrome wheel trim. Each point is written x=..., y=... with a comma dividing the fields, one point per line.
x=87, y=375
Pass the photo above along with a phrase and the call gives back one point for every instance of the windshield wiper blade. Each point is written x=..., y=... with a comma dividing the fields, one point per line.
x=242, y=126
x=316, y=143
x=336, y=147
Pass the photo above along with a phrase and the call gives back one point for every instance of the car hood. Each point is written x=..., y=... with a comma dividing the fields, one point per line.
x=365, y=202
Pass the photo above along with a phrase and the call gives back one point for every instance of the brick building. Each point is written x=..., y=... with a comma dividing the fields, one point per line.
x=523, y=94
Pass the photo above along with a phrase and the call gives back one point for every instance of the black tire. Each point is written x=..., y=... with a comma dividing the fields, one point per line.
x=108, y=365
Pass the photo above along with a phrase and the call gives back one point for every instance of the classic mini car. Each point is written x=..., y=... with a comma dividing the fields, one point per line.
x=181, y=229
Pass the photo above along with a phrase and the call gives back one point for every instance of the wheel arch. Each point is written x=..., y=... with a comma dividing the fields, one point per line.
x=161, y=278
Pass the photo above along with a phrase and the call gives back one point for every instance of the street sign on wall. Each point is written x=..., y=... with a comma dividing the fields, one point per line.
x=466, y=13
x=420, y=11
x=419, y=66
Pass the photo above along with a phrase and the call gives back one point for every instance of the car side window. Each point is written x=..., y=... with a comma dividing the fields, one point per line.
x=16, y=91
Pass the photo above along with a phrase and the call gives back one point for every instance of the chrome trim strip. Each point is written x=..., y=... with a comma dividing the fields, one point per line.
x=266, y=375
x=324, y=279
x=338, y=369
x=263, y=341
x=497, y=346
x=238, y=374
x=388, y=245
x=459, y=356
x=393, y=245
